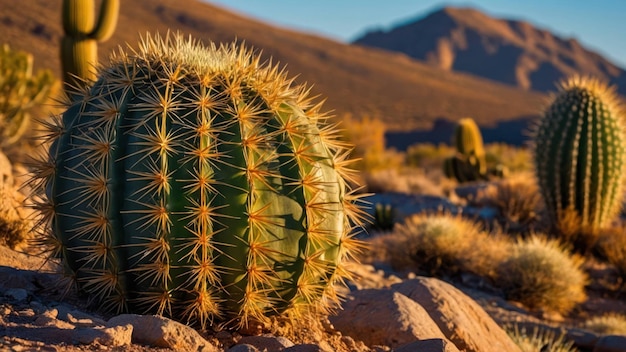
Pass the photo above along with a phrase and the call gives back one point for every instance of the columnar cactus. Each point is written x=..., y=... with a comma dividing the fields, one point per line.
x=579, y=153
x=79, y=46
x=198, y=183
x=20, y=92
x=469, y=163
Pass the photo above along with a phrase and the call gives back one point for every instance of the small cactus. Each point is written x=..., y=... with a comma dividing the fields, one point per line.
x=469, y=163
x=20, y=92
x=579, y=147
x=198, y=183
x=79, y=45
x=383, y=217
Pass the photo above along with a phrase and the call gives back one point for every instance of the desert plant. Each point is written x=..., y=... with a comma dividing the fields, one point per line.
x=539, y=340
x=14, y=227
x=607, y=324
x=579, y=147
x=199, y=183
x=383, y=217
x=542, y=274
x=469, y=163
x=518, y=202
x=444, y=244
x=612, y=247
x=79, y=45
x=20, y=93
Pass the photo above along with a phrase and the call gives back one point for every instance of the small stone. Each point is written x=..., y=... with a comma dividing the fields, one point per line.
x=18, y=294
x=163, y=332
x=26, y=313
x=120, y=335
x=308, y=347
x=267, y=342
x=243, y=348
x=79, y=318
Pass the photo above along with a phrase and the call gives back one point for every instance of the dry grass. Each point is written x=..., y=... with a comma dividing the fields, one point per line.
x=444, y=244
x=14, y=228
x=516, y=160
x=568, y=229
x=612, y=246
x=608, y=324
x=538, y=340
x=408, y=181
x=542, y=274
x=518, y=202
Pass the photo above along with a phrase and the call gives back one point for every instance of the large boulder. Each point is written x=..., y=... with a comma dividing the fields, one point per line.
x=385, y=317
x=459, y=317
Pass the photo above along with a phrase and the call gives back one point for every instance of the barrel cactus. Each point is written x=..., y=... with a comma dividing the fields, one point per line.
x=579, y=153
x=199, y=183
x=79, y=46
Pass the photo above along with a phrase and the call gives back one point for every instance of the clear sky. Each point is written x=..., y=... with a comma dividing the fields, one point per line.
x=599, y=25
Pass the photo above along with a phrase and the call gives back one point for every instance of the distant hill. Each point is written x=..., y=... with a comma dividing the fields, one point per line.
x=512, y=52
x=405, y=93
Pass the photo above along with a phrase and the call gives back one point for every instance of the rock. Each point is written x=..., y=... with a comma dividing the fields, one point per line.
x=243, y=348
x=17, y=294
x=431, y=345
x=120, y=335
x=79, y=318
x=307, y=347
x=611, y=343
x=385, y=317
x=459, y=317
x=159, y=331
x=266, y=342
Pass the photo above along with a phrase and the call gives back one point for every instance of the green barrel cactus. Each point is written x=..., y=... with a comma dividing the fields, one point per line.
x=469, y=163
x=21, y=91
x=79, y=45
x=579, y=153
x=199, y=183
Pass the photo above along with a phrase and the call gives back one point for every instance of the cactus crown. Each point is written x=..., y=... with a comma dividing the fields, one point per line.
x=467, y=138
x=197, y=182
x=579, y=146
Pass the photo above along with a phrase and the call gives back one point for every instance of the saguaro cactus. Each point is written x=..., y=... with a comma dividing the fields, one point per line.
x=79, y=46
x=196, y=182
x=20, y=92
x=579, y=152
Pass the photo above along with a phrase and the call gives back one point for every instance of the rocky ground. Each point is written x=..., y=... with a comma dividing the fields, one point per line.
x=383, y=311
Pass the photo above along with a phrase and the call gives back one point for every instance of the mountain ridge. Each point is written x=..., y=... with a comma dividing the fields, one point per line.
x=506, y=50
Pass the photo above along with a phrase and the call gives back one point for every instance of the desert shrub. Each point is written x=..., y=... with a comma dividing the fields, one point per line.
x=427, y=155
x=444, y=244
x=608, y=324
x=515, y=159
x=542, y=274
x=367, y=135
x=408, y=180
x=518, y=202
x=570, y=229
x=14, y=229
x=539, y=340
x=612, y=247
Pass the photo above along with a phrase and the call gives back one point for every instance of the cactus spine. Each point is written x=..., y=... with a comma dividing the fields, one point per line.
x=579, y=153
x=20, y=92
x=196, y=182
x=469, y=163
x=79, y=46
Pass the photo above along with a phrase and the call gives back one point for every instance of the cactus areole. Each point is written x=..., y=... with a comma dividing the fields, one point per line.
x=198, y=183
x=579, y=153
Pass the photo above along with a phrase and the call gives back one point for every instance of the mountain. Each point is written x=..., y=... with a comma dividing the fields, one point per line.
x=512, y=52
x=405, y=93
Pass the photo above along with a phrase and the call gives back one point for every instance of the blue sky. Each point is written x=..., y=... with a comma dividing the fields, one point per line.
x=598, y=24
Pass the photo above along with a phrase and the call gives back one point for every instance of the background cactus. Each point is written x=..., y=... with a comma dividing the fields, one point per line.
x=195, y=182
x=20, y=92
x=79, y=46
x=469, y=163
x=383, y=217
x=579, y=153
